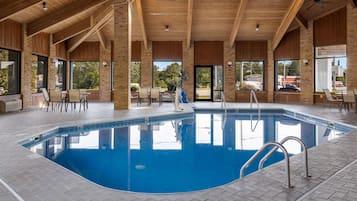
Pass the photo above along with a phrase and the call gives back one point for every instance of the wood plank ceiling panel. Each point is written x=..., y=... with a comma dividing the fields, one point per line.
x=268, y=14
x=213, y=20
x=159, y=13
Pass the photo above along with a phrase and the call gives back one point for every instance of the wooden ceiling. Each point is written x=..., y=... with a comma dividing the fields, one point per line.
x=208, y=20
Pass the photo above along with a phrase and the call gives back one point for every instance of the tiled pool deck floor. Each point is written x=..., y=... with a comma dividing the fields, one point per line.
x=333, y=165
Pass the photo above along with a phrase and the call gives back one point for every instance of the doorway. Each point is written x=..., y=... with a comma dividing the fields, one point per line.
x=208, y=83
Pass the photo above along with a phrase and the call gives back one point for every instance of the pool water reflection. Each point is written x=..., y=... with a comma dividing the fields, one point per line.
x=179, y=155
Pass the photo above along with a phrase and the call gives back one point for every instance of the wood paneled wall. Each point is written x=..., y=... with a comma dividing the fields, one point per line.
x=61, y=51
x=251, y=50
x=87, y=51
x=289, y=46
x=167, y=50
x=208, y=53
x=40, y=44
x=135, y=51
x=11, y=35
x=331, y=29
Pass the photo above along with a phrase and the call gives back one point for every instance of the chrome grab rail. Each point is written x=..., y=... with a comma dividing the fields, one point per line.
x=254, y=96
x=275, y=144
x=261, y=162
x=224, y=105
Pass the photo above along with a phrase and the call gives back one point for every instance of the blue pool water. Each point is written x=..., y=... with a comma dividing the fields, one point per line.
x=177, y=154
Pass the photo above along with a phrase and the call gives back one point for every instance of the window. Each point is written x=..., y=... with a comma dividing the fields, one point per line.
x=287, y=75
x=61, y=74
x=249, y=75
x=167, y=75
x=9, y=72
x=135, y=75
x=39, y=73
x=85, y=75
x=330, y=68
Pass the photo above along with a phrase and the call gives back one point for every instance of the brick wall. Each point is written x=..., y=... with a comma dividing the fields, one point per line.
x=307, y=70
x=146, y=65
x=188, y=67
x=26, y=73
x=229, y=72
x=351, y=47
x=51, y=64
x=269, y=73
x=105, y=72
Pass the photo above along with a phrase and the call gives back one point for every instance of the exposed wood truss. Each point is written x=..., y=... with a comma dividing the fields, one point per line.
x=73, y=30
x=288, y=18
x=102, y=38
x=141, y=20
x=100, y=19
x=189, y=22
x=60, y=15
x=237, y=21
x=11, y=7
x=301, y=20
x=353, y=3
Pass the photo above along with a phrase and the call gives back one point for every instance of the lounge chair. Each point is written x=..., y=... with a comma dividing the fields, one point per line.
x=332, y=99
x=348, y=100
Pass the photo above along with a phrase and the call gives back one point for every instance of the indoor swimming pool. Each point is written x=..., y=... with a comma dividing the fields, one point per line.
x=181, y=153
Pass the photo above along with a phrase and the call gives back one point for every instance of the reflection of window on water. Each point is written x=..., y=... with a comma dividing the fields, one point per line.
x=165, y=137
x=331, y=68
x=245, y=138
x=90, y=141
x=218, y=129
x=134, y=137
x=249, y=75
x=289, y=128
x=203, y=128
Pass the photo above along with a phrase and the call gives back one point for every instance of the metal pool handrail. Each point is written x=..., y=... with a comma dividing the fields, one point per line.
x=224, y=106
x=261, y=162
x=275, y=144
x=254, y=96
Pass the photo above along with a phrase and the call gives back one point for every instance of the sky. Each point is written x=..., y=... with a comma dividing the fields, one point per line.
x=163, y=64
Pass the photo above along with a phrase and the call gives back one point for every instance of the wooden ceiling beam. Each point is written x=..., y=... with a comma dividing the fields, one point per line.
x=101, y=18
x=288, y=18
x=61, y=14
x=11, y=7
x=353, y=3
x=189, y=22
x=101, y=38
x=141, y=21
x=301, y=20
x=72, y=30
x=239, y=16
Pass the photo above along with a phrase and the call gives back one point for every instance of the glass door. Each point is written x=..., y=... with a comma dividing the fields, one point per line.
x=203, y=83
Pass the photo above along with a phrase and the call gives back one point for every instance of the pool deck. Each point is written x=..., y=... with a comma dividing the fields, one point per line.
x=333, y=165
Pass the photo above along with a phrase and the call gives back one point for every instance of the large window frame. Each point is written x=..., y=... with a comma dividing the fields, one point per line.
x=254, y=83
x=169, y=81
x=39, y=71
x=333, y=64
x=61, y=74
x=93, y=83
x=290, y=79
x=10, y=67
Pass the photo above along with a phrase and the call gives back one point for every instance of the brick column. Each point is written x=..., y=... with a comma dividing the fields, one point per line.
x=307, y=70
x=26, y=72
x=104, y=72
x=188, y=67
x=122, y=54
x=146, y=65
x=68, y=71
x=269, y=73
x=351, y=47
x=229, y=72
x=51, y=65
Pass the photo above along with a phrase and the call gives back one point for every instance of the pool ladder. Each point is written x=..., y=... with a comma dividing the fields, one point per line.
x=253, y=97
x=276, y=146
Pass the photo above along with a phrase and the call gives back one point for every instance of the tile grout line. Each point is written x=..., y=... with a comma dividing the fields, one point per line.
x=324, y=182
x=12, y=191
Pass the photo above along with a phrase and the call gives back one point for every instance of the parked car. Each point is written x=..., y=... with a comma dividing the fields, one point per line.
x=290, y=87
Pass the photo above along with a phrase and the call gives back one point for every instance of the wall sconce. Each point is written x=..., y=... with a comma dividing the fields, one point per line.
x=257, y=27
x=44, y=5
x=229, y=64
x=105, y=64
x=305, y=61
x=167, y=28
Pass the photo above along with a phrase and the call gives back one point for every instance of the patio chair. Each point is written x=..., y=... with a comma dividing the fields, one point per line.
x=155, y=95
x=56, y=98
x=46, y=97
x=143, y=94
x=74, y=96
x=348, y=100
x=332, y=99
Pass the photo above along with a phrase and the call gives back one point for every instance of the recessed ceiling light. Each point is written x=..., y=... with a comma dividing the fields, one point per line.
x=44, y=5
